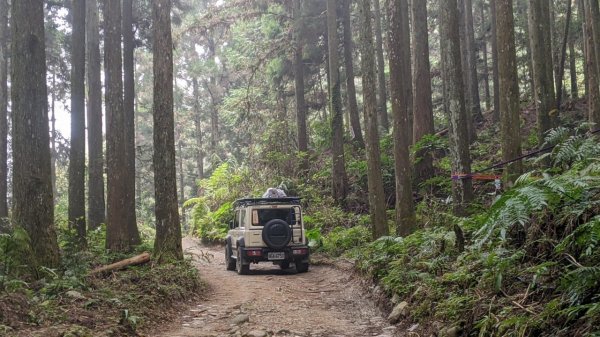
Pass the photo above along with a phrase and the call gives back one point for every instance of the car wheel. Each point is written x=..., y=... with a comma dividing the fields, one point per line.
x=229, y=261
x=240, y=267
x=301, y=267
x=284, y=265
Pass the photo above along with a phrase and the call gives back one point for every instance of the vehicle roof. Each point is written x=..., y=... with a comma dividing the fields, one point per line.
x=266, y=201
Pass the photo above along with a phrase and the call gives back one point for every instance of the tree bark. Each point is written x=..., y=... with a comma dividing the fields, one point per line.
x=462, y=29
x=167, y=244
x=495, y=77
x=595, y=28
x=377, y=205
x=563, y=57
x=299, y=83
x=454, y=103
x=33, y=207
x=215, y=97
x=539, y=33
x=77, y=148
x=199, y=134
x=509, y=100
x=592, y=68
x=350, y=87
x=181, y=177
x=581, y=13
x=4, y=51
x=340, y=180
x=422, y=104
x=129, y=121
x=53, y=152
x=573, y=70
x=381, y=87
x=132, y=261
x=473, y=83
x=400, y=91
x=96, y=201
x=117, y=235
x=484, y=51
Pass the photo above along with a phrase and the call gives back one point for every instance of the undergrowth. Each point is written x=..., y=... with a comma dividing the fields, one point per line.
x=532, y=264
x=68, y=301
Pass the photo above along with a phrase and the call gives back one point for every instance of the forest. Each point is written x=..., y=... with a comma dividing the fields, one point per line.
x=445, y=152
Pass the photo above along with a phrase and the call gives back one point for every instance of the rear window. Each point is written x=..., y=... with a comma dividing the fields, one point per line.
x=261, y=216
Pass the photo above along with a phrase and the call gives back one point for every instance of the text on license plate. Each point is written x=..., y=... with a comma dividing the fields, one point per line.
x=276, y=256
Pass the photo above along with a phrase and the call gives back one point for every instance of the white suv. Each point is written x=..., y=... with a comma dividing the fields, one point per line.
x=267, y=229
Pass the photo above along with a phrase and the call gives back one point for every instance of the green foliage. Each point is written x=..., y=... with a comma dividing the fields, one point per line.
x=531, y=265
x=341, y=240
x=212, y=212
x=15, y=256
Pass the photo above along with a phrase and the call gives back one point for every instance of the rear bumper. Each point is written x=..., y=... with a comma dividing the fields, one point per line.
x=291, y=254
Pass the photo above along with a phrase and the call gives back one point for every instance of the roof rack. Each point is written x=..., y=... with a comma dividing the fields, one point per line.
x=266, y=201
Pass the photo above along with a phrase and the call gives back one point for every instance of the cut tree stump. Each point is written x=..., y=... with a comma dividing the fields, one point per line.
x=138, y=259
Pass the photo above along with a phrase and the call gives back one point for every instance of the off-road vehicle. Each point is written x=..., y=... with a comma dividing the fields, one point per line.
x=267, y=229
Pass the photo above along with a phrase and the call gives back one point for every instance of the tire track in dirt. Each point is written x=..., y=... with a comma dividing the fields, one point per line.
x=325, y=301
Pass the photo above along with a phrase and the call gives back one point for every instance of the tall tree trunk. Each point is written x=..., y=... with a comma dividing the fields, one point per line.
x=129, y=120
x=181, y=178
x=199, y=134
x=473, y=83
x=581, y=14
x=592, y=67
x=422, y=105
x=528, y=56
x=77, y=148
x=381, y=87
x=3, y=108
x=573, y=70
x=595, y=28
x=549, y=6
x=509, y=86
x=539, y=33
x=299, y=82
x=377, y=205
x=96, y=201
x=454, y=103
x=214, y=96
x=349, y=66
x=563, y=57
x=465, y=68
x=495, y=77
x=484, y=51
x=340, y=180
x=401, y=90
x=53, y=152
x=167, y=244
x=33, y=207
x=117, y=235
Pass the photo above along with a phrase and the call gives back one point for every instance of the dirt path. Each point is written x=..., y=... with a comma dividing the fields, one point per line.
x=324, y=302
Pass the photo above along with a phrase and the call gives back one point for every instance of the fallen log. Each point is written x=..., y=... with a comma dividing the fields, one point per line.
x=138, y=259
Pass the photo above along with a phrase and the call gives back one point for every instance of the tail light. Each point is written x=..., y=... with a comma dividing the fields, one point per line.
x=300, y=251
x=254, y=252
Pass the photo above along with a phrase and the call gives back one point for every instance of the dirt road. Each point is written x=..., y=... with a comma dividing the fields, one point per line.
x=324, y=302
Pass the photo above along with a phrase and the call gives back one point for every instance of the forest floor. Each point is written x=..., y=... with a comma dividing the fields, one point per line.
x=325, y=301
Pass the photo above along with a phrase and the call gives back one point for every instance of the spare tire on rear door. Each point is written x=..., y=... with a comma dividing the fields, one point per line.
x=276, y=234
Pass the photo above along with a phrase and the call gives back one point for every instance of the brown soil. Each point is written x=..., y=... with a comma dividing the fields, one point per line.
x=325, y=301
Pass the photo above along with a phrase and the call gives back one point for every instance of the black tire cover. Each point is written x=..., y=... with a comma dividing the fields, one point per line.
x=276, y=234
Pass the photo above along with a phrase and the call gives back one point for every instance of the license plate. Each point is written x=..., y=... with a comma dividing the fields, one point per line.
x=276, y=256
